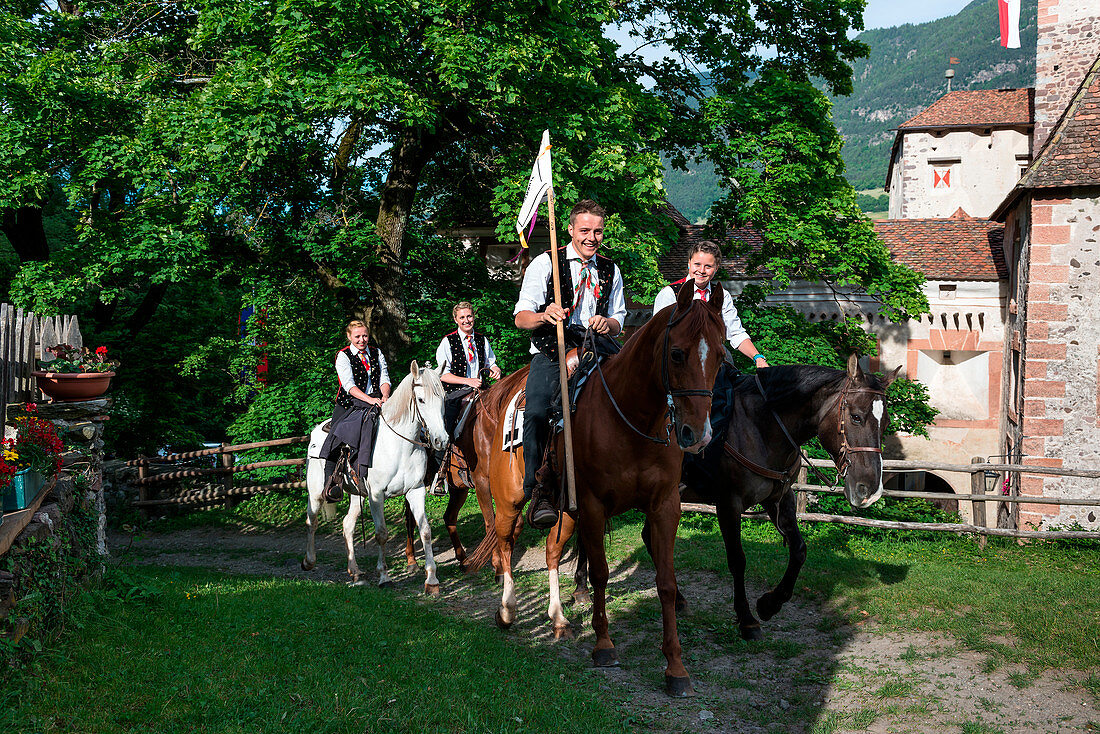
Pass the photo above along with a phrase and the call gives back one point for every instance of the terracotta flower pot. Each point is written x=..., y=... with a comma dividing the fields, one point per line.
x=73, y=386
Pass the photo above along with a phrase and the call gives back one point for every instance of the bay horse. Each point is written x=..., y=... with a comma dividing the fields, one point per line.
x=760, y=459
x=411, y=421
x=644, y=407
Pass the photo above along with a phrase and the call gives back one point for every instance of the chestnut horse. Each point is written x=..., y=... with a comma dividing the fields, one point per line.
x=626, y=457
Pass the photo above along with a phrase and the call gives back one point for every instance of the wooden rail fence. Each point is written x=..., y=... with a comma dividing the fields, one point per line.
x=978, y=498
x=161, y=472
x=24, y=338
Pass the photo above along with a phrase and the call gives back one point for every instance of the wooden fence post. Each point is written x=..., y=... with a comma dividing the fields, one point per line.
x=977, y=507
x=801, y=499
x=143, y=491
x=227, y=479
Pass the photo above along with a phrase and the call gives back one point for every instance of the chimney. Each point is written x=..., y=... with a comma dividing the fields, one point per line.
x=1069, y=41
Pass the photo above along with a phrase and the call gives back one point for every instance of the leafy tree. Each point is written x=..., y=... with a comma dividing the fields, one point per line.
x=298, y=155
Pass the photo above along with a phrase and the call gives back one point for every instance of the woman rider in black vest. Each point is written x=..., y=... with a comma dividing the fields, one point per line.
x=363, y=385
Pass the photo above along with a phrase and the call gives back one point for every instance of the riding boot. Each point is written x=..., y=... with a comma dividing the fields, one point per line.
x=332, y=492
x=542, y=512
x=437, y=467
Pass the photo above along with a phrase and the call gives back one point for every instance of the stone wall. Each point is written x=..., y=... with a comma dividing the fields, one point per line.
x=1061, y=349
x=1069, y=41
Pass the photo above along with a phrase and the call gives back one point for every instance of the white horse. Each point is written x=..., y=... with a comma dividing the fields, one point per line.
x=411, y=421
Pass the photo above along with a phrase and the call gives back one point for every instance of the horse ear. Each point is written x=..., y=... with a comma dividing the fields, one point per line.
x=717, y=295
x=685, y=297
x=891, y=377
x=414, y=369
x=853, y=366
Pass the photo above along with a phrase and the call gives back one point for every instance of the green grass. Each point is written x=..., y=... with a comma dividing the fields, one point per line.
x=1037, y=605
x=217, y=653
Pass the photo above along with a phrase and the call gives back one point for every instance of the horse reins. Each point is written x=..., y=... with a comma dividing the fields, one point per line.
x=421, y=423
x=670, y=392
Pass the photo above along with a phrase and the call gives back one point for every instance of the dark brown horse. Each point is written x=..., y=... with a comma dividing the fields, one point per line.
x=632, y=423
x=759, y=460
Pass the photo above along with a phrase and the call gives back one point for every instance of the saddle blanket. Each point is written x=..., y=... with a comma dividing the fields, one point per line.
x=512, y=425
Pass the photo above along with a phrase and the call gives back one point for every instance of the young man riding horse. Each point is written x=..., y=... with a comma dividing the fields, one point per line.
x=592, y=295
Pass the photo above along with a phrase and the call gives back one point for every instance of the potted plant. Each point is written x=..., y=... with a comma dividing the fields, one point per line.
x=27, y=460
x=75, y=374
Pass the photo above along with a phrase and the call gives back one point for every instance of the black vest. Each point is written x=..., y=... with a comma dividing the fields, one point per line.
x=361, y=376
x=458, y=356
x=545, y=337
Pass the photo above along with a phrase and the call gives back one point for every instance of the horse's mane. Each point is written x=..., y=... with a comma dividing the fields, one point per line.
x=495, y=400
x=792, y=384
x=401, y=404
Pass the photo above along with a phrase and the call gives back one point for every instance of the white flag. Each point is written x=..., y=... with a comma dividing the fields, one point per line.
x=1009, y=12
x=540, y=183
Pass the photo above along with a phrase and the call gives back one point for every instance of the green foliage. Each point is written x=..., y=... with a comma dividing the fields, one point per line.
x=869, y=204
x=49, y=575
x=299, y=156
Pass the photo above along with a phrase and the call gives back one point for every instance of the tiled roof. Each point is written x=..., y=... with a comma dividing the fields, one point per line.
x=673, y=265
x=1071, y=155
x=942, y=249
x=977, y=108
x=947, y=249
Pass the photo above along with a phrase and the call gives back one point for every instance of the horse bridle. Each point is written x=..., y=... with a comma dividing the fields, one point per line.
x=841, y=461
x=670, y=392
x=420, y=422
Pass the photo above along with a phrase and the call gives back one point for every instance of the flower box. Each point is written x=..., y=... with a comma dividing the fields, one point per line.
x=24, y=487
x=73, y=386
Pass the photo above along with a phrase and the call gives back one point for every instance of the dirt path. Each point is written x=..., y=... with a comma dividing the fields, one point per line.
x=811, y=674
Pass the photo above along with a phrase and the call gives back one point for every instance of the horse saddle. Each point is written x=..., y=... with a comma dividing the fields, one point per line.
x=327, y=426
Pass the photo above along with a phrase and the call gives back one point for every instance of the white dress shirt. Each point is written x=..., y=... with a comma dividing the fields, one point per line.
x=537, y=277
x=347, y=379
x=735, y=332
x=443, y=356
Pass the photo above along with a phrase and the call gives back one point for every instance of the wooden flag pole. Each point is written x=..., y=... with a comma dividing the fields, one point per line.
x=570, y=476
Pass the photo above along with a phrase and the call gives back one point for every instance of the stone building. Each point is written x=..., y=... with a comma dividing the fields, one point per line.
x=1051, y=412
x=964, y=152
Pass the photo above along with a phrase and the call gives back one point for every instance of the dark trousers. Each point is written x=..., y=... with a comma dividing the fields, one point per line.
x=542, y=388
x=453, y=404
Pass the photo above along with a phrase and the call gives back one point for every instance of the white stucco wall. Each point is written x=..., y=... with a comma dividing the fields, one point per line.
x=984, y=167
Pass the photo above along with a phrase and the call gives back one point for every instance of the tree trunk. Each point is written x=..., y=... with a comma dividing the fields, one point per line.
x=24, y=229
x=387, y=317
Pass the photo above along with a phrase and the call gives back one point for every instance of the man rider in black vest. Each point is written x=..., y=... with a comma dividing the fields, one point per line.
x=592, y=297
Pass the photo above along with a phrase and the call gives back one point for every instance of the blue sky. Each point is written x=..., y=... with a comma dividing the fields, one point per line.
x=886, y=13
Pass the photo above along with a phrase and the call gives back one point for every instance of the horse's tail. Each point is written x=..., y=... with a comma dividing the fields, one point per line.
x=483, y=553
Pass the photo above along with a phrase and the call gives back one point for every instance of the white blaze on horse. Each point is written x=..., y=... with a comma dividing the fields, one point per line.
x=410, y=424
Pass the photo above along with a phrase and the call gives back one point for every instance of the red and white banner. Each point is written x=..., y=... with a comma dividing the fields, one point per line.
x=1009, y=10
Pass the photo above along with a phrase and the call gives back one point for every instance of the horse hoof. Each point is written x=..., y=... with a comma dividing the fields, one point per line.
x=385, y=584
x=499, y=579
x=357, y=582
x=682, y=606
x=431, y=589
x=766, y=608
x=411, y=567
x=581, y=596
x=751, y=632
x=605, y=657
x=563, y=632
x=306, y=566
x=500, y=621
x=462, y=568
x=679, y=687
